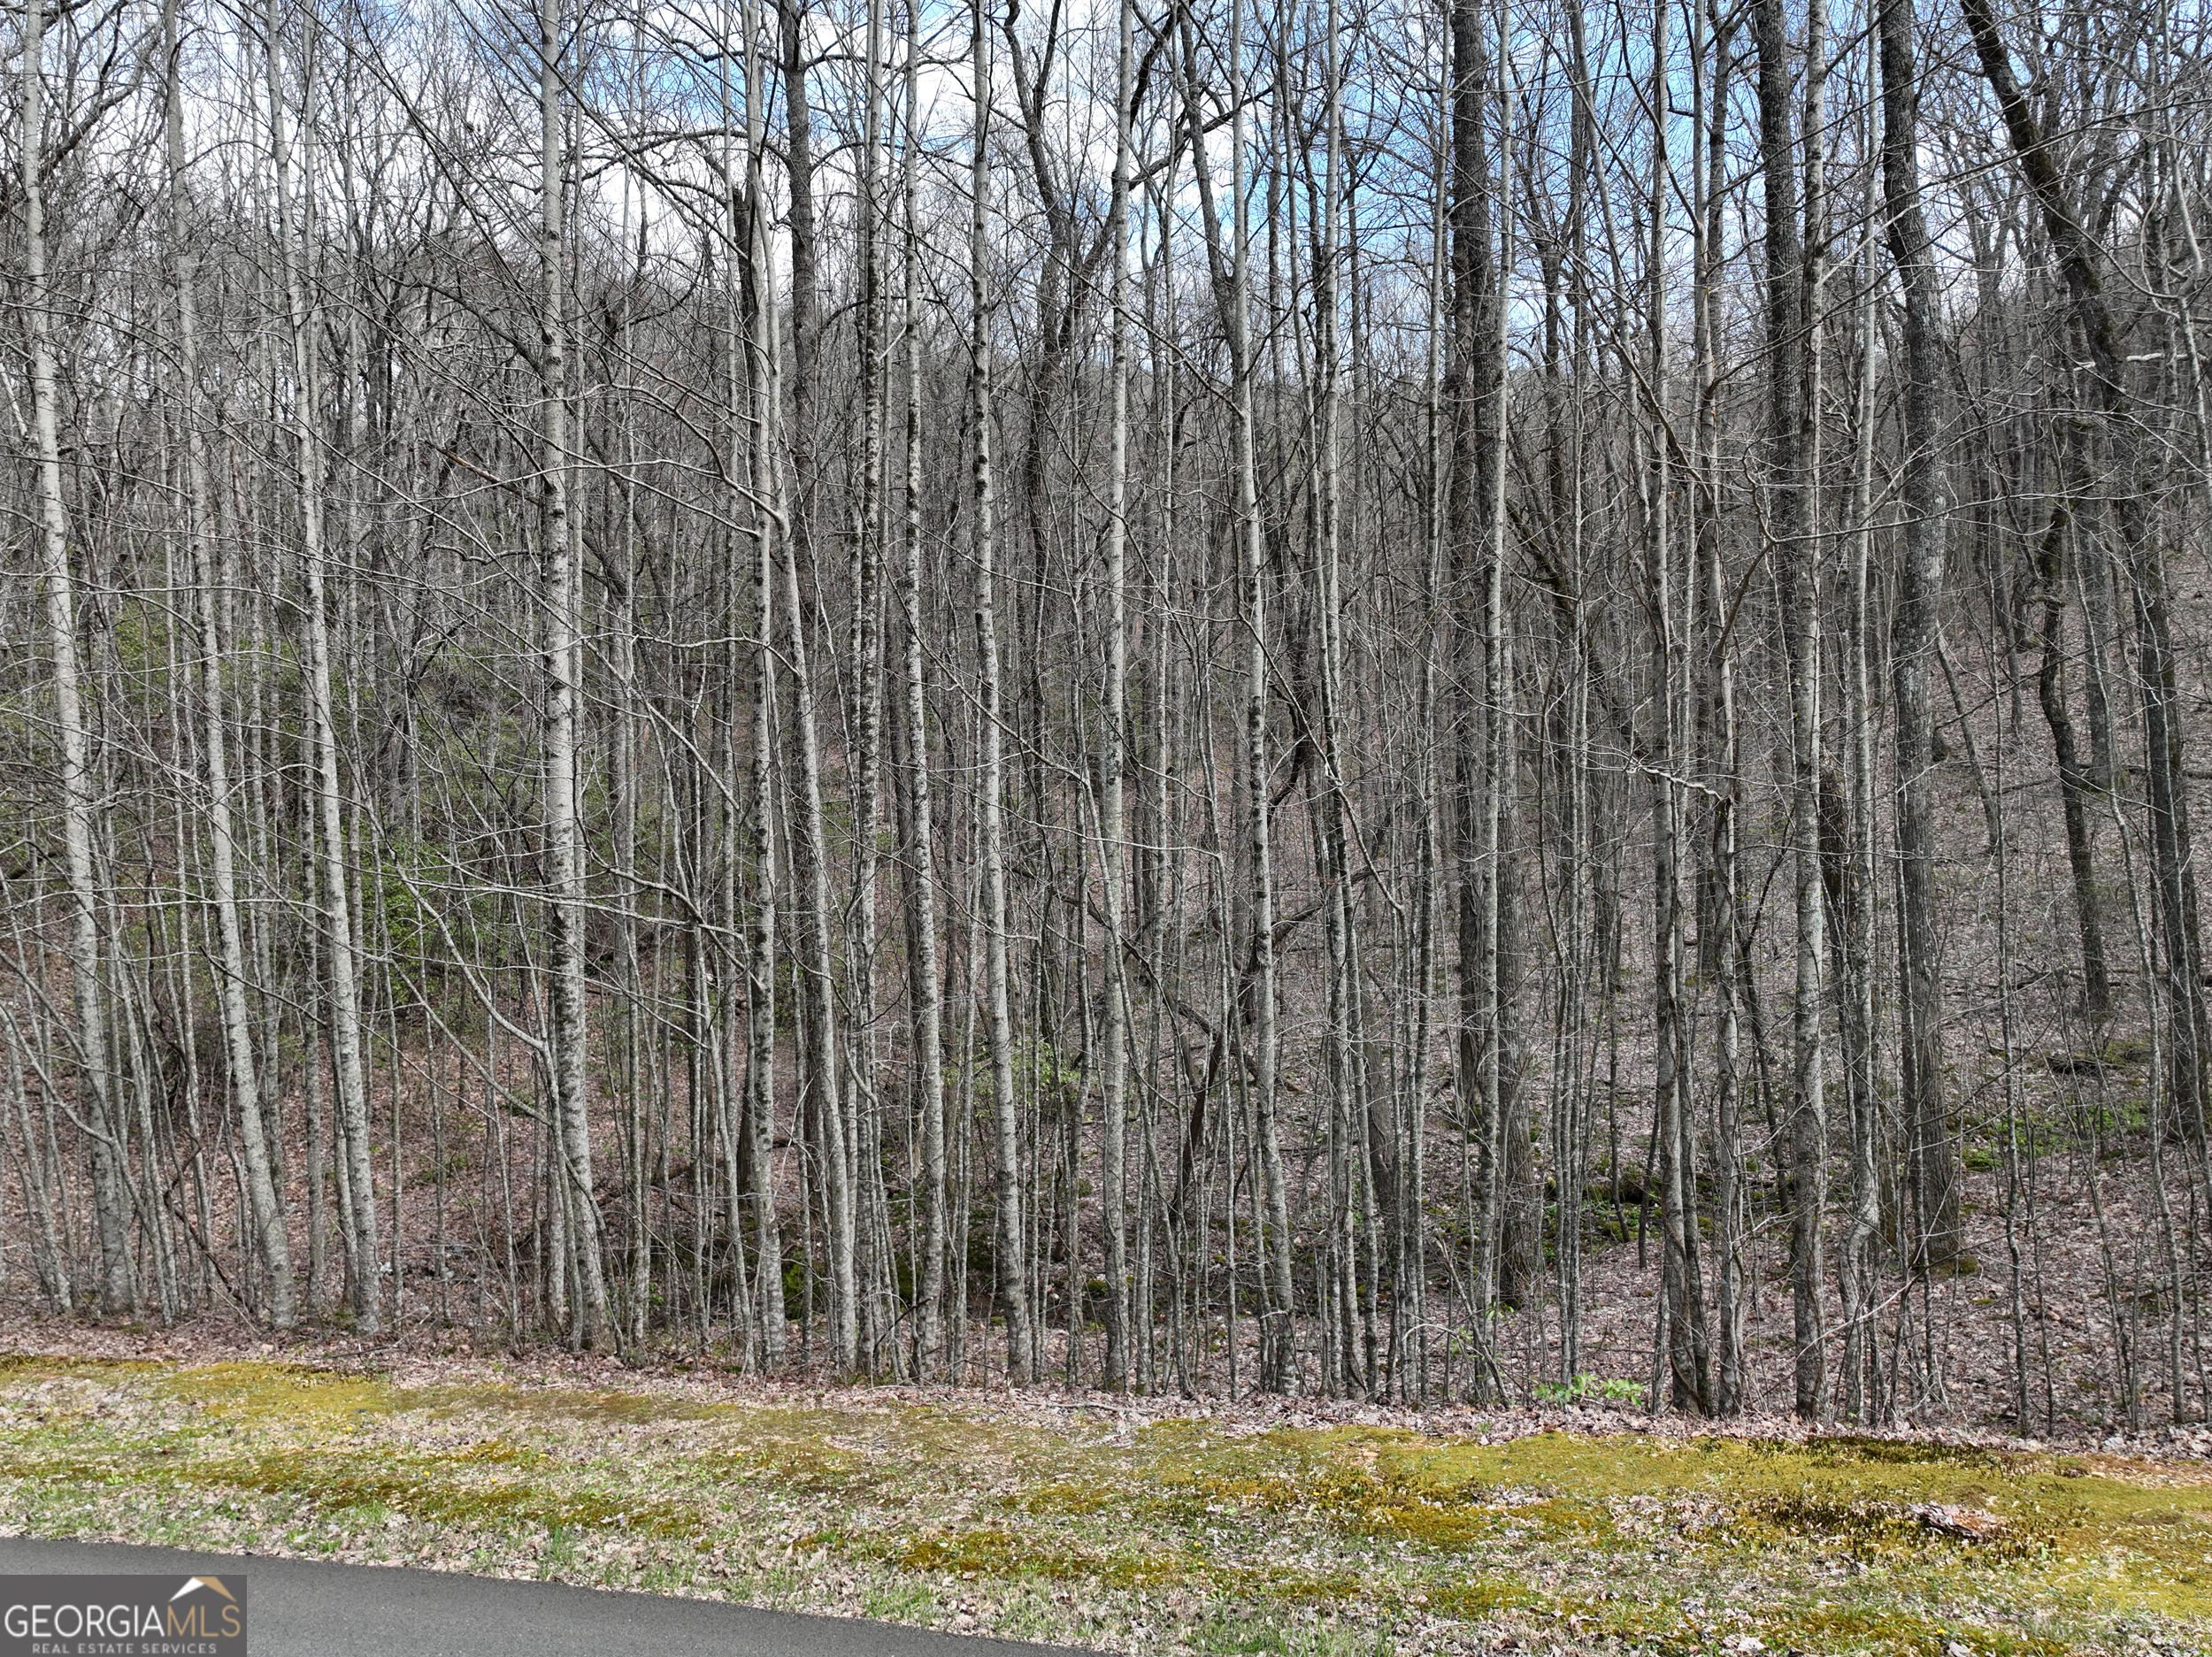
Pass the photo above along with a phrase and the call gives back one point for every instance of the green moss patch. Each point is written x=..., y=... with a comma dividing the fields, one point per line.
x=1177, y=1536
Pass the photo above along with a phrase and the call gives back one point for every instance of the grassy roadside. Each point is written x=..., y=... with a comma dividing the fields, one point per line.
x=1170, y=1535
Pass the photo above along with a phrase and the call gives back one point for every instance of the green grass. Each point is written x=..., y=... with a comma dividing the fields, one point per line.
x=1181, y=1536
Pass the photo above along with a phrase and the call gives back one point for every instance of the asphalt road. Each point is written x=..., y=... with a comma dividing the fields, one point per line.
x=308, y=1608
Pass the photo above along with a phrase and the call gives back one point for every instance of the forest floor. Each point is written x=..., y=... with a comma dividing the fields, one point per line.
x=1143, y=1526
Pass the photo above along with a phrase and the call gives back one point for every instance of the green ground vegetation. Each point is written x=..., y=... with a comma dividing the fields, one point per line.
x=1091, y=1528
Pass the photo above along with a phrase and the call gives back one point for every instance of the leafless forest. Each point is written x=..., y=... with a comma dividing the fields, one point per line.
x=1343, y=696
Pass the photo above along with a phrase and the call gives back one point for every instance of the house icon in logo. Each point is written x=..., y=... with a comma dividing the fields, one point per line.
x=215, y=1582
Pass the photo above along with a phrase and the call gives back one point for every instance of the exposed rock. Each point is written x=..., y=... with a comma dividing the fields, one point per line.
x=1970, y=1525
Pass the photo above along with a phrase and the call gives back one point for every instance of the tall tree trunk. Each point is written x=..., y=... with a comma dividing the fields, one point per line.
x=1474, y=385
x=1113, y=758
x=863, y=1106
x=1278, y=1344
x=824, y=1095
x=771, y=524
x=1362, y=1166
x=1935, y=1172
x=927, y=1063
x=364, y=1268
x=1712, y=42
x=570, y=1035
x=1856, y=1271
x=1688, y=1352
x=1013, y=1267
x=1790, y=518
x=826, y=1103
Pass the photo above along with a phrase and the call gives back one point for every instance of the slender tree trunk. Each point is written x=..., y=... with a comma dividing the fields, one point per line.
x=864, y=1107
x=1277, y=1359
x=1790, y=518
x=1712, y=42
x=1934, y=1174
x=1857, y=1273
x=1113, y=759
x=824, y=1092
x=1688, y=1352
x=1364, y=1165
x=770, y=522
x=1474, y=388
x=569, y=1037
x=1013, y=1267
x=928, y=1062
